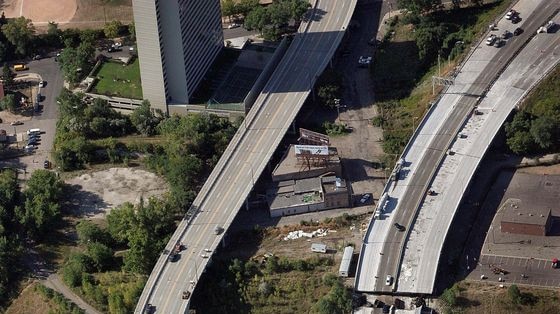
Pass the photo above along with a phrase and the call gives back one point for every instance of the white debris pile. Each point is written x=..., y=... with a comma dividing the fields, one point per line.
x=300, y=233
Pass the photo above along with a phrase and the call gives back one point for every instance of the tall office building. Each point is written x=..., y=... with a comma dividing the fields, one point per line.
x=177, y=42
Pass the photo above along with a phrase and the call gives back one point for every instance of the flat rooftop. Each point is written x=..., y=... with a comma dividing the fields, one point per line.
x=516, y=212
x=290, y=164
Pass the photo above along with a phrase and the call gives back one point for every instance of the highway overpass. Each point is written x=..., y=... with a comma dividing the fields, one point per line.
x=385, y=248
x=246, y=156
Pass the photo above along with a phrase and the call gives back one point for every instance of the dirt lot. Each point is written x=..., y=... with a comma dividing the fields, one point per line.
x=30, y=301
x=69, y=13
x=95, y=194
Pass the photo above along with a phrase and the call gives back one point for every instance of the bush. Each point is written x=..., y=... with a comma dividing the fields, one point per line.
x=333, y=129
x=514, y=294
x=74, y=268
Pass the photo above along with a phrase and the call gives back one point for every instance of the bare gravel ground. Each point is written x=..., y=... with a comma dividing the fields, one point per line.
x=95, y=194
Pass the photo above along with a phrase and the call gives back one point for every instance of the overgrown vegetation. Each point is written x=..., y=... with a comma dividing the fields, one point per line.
x=64, y=306
x=275, y=285
x=473, y=298
x=406, y=57
x=536, y=127
x=26, y=215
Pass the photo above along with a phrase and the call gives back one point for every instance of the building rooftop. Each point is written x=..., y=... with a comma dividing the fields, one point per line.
x=514, y=211
x=291, y=168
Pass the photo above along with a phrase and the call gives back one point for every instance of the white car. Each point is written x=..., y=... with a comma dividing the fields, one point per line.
x=388, y=280
x=490, y=40
x=511, y=14
x=365, y=198
x=42, y=84
x=364, y=60
x=233, y=25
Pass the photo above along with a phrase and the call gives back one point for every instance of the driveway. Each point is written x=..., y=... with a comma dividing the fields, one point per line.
x=45, y=120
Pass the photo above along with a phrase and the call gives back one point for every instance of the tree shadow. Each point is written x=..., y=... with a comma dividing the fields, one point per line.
x=80, y=203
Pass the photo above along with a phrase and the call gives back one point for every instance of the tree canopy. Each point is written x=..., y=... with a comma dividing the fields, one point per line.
x=19, y=31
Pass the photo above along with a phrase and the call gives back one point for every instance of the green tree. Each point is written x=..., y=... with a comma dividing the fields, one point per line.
x=74, y=267
x=52, y=29
x=246, y=6
x=100, y=255
x=337, y=301
x=145, y=119
x=8, y=103
x=429, y=37
x=132, y=31
x=229, y=8
x=328, y=93
x=544, y=131
x=7, y=75
x=76, y=61
x=19, y=31
x=90, y=232
x=112, y=29
x=73, y=153
x=257, y=19
x=41, y=209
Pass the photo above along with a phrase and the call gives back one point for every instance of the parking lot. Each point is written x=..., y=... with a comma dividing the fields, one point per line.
x=47, y=70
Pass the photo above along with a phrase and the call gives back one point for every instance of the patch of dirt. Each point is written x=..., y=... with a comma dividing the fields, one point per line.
x=95, y=13
x=30, y=301
x=95, y=194
x=40, y=11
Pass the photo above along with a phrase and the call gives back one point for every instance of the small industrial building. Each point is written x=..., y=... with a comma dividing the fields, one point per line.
x=307, y=161
x=307, y=195
x=346, y=261
x=318, y=248
x=520, y=220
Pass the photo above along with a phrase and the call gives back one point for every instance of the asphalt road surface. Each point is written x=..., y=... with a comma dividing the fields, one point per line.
x=247, y=155
x=436, y=150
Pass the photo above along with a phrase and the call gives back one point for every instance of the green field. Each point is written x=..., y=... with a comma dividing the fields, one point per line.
x=118, y=80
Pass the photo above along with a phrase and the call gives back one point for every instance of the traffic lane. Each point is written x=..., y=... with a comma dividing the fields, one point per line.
x=491, y=72
x=237, y=32
x=276, y=111
x=218, y=206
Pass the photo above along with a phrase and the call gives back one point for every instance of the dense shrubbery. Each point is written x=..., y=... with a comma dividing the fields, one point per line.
x=30, y=213
x=65, y=306
x=536, y=128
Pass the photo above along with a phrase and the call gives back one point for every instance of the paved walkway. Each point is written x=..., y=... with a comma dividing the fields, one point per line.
x=54, y=282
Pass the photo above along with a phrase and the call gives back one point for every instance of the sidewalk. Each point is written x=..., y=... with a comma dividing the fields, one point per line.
x=54, y=282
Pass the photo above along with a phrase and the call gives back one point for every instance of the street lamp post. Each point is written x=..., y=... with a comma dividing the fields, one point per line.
x=413, y=119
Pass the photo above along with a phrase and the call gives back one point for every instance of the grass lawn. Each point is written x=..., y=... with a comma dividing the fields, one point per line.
x=118, y=80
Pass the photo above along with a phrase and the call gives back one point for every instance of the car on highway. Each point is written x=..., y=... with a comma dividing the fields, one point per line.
x=186, y=295
x=506, y=34
x=173, y=257
x=388, y=280
x=518, y=31
x=365, y=198
x=149, y=309
x=399, y=226
x=511, y=14
x=17, y=122
x=233, y=25
x=499, y=43
x=491, y=39
x=204, y=255
x=218, y=230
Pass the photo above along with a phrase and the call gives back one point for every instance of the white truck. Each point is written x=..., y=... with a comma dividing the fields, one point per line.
x=547, y=28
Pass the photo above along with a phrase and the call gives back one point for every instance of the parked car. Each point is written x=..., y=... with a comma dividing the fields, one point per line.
x=233, y=25
x=499, y=43
x=47, y=164
x=515, y=19
x=42, y=84
x=365, y=198
x=506, y=34
x=149, y=309
x=511, y=14
x=491, y=39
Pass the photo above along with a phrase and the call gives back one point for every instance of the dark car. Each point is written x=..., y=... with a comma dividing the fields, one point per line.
x=47, y=164
x=172, y=257
x=518, y=31
x=515, y=19
x=149, y=309
x=399, y=227
x=32, y=141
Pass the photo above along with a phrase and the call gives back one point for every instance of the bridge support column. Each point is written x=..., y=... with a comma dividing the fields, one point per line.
x=247, y=203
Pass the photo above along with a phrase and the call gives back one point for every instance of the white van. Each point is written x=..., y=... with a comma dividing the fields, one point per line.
x=33, y=131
